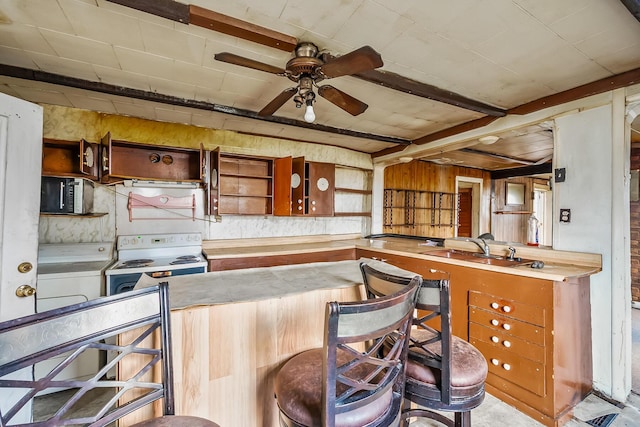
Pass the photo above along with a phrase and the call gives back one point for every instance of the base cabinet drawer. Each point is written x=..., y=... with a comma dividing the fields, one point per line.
x=518, y=370
x=508, y=325
x=510, y=343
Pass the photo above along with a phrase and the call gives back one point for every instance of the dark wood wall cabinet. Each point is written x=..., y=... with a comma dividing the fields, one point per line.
x=131, y=160
x=534, y=333
x=70, y=158
x=235, y=184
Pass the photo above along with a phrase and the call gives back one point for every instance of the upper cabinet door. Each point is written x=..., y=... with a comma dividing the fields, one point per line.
x=89, y=157
x=321, y=186
x=298, y=193
x=282, y=205
x=105, y=158
x=213, y=189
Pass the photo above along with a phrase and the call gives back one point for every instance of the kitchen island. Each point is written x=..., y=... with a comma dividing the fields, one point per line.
x=233, y=329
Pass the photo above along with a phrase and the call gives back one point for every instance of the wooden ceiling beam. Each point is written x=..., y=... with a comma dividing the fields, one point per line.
x=618, y=81
x=206, y=18
x=543, y=168
x=633, y=6
x=463, y=127
x=621, y=80
x=413, y=87
x=41, y=76
x=235, y=27
x=168, y=9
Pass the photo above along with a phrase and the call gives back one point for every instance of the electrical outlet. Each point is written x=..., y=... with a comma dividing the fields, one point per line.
x=565, y=215
x=560, y=175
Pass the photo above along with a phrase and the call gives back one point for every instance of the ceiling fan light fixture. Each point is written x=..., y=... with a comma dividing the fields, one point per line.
x=309, y=114
x=489, y=139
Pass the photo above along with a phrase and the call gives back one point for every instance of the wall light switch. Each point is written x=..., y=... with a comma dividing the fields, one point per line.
x=565, y=215
x=560, y=174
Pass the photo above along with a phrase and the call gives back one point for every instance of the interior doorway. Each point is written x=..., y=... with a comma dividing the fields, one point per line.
x=465, y=203
x=469, y=189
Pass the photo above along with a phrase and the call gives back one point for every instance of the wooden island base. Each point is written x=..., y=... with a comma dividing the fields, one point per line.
x=226, y=356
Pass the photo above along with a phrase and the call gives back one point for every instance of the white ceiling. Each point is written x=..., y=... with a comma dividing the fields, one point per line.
x=504, y=53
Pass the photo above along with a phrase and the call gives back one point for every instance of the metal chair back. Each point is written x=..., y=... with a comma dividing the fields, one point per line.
x=62, y=334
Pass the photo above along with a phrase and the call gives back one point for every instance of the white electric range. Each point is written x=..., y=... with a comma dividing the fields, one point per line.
x=157, y=255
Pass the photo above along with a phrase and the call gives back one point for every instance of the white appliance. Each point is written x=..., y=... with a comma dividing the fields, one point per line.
x=70, y=273
x=157, y=255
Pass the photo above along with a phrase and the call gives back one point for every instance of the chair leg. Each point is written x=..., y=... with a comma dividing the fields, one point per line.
x=463, y=419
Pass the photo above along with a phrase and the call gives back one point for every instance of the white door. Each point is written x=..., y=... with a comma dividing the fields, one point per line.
x=20, y=168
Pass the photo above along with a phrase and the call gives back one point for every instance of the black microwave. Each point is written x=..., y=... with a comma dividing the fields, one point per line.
x=66, y=195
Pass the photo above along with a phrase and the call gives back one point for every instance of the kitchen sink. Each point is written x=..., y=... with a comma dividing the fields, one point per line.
x=480, y=258
x=451, y=253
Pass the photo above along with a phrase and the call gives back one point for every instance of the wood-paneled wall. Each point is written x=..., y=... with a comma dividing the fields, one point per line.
x=427, y=176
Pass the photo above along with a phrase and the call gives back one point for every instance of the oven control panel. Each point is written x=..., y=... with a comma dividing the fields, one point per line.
x=158, y=240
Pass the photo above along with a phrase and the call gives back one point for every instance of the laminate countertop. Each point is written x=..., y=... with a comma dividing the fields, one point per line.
x=558, y=265
x=254, y=284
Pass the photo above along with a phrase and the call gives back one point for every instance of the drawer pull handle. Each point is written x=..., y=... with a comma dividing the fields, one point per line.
x=506, y=367
x=506, y=327
x=507, y=343
x=506, y=309
x=495, y=339
x=495, y=362
x=494, y=322
x=495, y=305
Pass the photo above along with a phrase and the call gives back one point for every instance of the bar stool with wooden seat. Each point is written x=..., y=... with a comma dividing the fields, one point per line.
x=56, y=338
x=444, y=372
x=349, y=382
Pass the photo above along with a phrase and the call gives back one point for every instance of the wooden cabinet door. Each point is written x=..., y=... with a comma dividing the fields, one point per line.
x=89, y=159
x=282, y=202
x=105, y=158
x=298, y=193
x=213, y=189
x=320, y=184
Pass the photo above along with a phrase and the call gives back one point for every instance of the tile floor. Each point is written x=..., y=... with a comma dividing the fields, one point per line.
x=495, y=413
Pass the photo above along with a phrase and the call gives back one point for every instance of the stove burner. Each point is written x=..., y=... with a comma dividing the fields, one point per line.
x=134, y=263
x=185, y=259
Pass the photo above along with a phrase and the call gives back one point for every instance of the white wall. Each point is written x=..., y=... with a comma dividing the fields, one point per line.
x=583, y=145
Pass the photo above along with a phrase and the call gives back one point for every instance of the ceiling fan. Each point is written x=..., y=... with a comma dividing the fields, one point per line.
x=307, y=68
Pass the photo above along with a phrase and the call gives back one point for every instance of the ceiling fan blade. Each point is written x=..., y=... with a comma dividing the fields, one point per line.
x=359, y=60
x=347, y=102
x=278, y=101
x=231, y=58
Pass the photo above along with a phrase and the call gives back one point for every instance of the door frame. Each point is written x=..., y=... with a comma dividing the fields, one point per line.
x=476, y=196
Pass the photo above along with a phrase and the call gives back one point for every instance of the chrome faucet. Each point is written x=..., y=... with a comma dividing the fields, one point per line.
x=485, y=248
x=512, y=253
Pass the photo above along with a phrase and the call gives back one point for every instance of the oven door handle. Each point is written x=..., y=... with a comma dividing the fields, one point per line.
x=158, y=274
